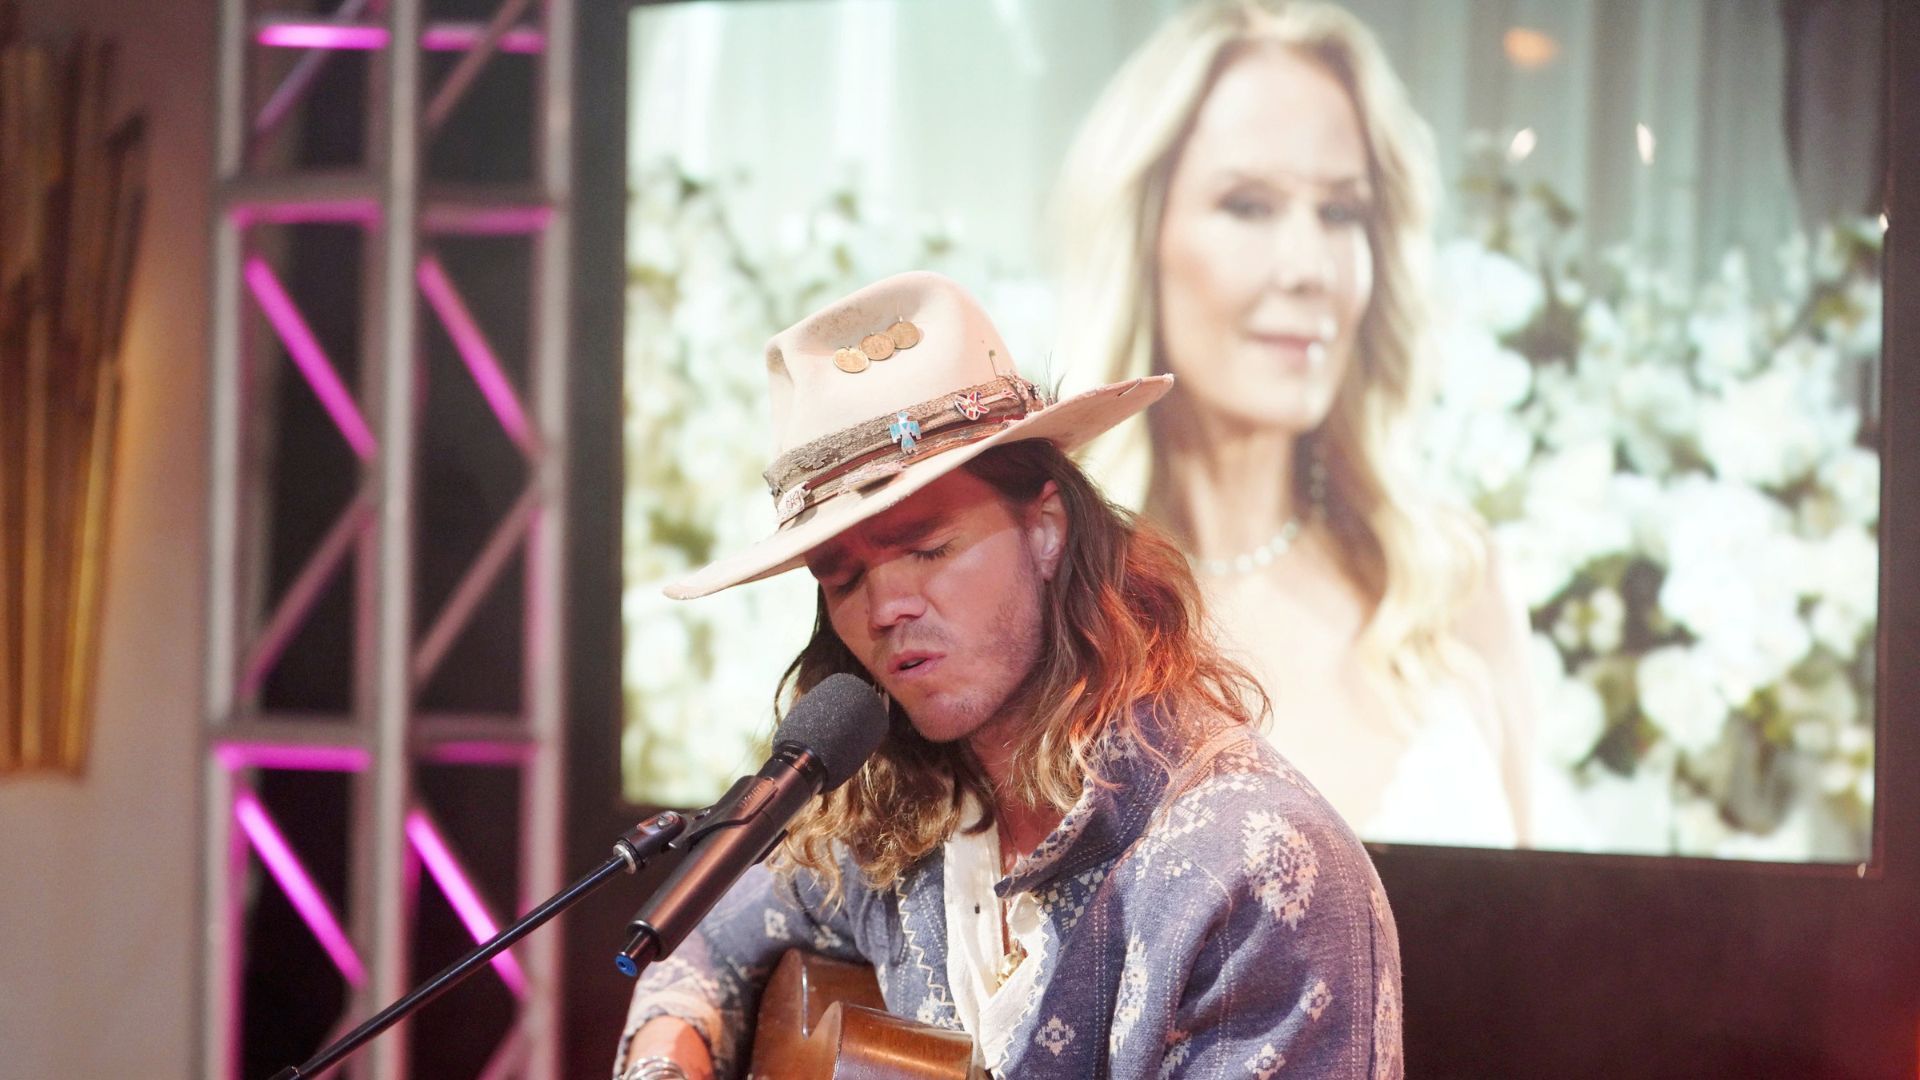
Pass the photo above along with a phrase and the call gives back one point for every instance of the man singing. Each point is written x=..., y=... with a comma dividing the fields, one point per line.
x=1072, y=845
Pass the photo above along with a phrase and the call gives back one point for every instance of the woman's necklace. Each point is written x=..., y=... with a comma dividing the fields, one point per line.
x=1247, y=562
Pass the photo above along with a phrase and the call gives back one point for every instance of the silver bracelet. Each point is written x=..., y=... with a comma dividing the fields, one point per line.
x=654, y=1067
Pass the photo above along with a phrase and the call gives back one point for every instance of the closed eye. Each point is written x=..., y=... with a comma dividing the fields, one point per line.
x=1343, y=212
x=1246, y=206
x=837, y=587
x=930, y=554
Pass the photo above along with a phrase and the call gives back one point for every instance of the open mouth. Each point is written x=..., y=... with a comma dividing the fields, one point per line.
x=1301, y=351
x=916, y=661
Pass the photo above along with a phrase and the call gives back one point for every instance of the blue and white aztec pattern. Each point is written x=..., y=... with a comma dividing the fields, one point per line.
x=1216, y=921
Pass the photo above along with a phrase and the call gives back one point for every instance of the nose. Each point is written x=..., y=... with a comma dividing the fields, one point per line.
x=894, y=595
x=1302, y=253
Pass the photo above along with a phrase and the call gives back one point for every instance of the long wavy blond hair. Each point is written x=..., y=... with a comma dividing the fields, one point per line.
x=1415, y=561
x=1122, y=626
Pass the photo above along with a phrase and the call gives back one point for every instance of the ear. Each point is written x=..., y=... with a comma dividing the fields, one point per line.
x=1047, y=529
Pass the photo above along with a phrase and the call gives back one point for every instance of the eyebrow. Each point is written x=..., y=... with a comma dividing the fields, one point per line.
x=910, y=532
x=904, y=534
x=1239, y=175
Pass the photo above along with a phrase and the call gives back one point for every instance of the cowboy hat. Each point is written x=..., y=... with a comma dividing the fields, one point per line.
x=880, y=394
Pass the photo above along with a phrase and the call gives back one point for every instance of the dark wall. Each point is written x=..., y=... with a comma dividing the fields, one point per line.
x=596, y=994
x=1522, y=965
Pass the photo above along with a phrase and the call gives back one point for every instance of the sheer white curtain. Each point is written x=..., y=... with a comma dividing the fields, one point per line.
x=1707, y=79
x=957, y=109
x=1838, y=62
x=962, y=108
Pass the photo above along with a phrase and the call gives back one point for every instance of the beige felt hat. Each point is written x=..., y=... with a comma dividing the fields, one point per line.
x=878, y=395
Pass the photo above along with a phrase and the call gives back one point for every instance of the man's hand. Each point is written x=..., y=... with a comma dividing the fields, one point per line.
x=666, y=1037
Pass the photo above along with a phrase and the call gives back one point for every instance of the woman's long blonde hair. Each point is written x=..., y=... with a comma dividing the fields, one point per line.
x=1415, y=561
x=1122, y=629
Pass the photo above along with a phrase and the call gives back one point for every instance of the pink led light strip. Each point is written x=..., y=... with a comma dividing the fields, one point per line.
x=316, y=757
x=459, y=891
x=482, y=220
x=308, y=356
x=318, y=913
x=299, y=886
x=440, y=37
x=299, y=79
x=477, y=353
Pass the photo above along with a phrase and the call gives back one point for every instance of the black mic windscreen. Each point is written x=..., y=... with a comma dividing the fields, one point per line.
x=841, y=721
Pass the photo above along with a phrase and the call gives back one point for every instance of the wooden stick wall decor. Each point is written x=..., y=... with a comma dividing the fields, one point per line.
x=71, y=191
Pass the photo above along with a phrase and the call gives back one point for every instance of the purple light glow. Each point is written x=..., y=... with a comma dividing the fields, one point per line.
x=436, y=216
x=459, y=37
x=476, y=352
x=308, y=356
x=459, y=891
x=233, y=903
x=443, y=37
x=479, y=752
x=484, y=221
x=299, y=886
x=298, y=35
x=343, y=211
x=240, y=755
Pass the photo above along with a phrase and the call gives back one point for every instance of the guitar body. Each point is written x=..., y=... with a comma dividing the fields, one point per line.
x=824, y=1019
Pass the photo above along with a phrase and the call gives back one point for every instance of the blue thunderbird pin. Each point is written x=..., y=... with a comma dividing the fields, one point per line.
x=905, y=430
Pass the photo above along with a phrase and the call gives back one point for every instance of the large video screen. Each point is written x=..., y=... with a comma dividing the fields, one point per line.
x=1525, y=440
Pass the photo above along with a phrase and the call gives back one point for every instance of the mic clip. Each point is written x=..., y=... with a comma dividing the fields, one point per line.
x=743, y=800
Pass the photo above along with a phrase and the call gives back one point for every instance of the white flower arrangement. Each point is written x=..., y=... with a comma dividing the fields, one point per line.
x=1689, y=507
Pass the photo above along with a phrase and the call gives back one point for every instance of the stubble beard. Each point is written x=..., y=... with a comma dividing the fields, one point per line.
x=981, y=707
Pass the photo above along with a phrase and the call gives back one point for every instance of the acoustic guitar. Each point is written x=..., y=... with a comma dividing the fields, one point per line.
x=823, y=1019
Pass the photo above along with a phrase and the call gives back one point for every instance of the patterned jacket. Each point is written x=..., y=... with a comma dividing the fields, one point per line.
x=1216, y=920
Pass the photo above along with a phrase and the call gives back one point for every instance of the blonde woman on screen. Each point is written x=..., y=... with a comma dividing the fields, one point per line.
x=1246, y=207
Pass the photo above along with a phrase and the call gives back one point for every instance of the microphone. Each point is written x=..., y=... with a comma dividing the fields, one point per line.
x=828, y=734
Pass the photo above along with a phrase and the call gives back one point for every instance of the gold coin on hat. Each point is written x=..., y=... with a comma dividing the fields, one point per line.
x=851, y=361
x=904, y=334
x=877, y=346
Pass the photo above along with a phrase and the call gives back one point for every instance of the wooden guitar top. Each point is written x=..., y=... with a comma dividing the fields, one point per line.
x=824, y=1019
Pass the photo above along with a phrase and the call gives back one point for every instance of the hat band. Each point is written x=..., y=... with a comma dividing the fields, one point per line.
x=872, y=451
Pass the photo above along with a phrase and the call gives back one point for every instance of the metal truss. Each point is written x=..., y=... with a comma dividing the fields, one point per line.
x=269, y=68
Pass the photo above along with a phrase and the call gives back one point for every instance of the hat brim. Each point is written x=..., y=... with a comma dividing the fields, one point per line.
x=1067, y=424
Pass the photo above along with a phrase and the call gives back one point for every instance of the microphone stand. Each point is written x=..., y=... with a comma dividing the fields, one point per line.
x=632, y=851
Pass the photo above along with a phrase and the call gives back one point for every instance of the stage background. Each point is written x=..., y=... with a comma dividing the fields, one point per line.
x=1515, y=966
